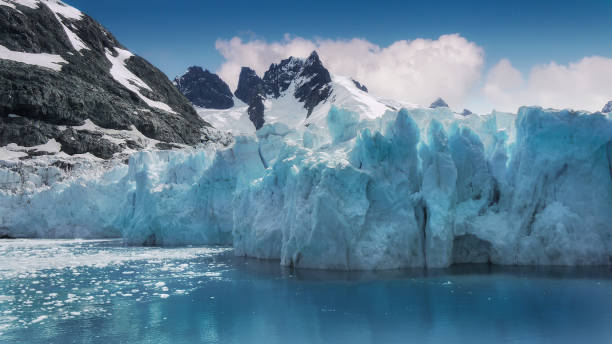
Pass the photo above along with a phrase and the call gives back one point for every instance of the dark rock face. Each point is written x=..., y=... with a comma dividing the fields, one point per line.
x=438, y=103
x=252, y=90
x=256, y=111
x=25, y=132
x=309, y=76
x=360, y=86
x=204, y=89
x=83, y=89
x=466, y=112
x=279, y=76
x=79, y=142
x=607, y=108
x=313, y=86
x=249, y=85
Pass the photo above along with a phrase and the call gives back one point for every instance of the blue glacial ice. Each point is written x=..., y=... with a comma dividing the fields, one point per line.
x=413, y=188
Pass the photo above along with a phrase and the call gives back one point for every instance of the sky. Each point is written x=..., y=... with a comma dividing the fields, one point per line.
x=477, y=54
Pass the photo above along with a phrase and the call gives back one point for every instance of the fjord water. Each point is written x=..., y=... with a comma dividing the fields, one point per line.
x=76, y=291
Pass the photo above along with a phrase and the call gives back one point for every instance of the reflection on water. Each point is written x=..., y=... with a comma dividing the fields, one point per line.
x=72, y=291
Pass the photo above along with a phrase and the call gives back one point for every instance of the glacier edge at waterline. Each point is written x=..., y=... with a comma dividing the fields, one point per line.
x=413, y=188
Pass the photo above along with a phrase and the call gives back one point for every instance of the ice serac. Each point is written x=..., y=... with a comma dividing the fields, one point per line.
x=418, y=187
x=204, y=89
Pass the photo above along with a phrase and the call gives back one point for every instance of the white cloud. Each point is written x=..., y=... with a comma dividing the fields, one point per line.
x=418, y=71
x=584, y=85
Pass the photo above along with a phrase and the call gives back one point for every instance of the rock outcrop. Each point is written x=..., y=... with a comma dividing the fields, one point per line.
x=204, y=89
x=438, y=103
x=360, y=85
x=249, y=85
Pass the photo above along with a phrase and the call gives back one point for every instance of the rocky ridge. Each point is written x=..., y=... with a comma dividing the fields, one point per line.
x=308, y=77
x=64, y=76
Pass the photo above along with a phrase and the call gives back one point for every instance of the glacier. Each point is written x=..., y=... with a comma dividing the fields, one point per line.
x=412, y=187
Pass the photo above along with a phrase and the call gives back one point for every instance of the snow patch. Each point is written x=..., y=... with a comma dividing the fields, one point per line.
x=130, y=81
x=45, y=60
x=61, y=8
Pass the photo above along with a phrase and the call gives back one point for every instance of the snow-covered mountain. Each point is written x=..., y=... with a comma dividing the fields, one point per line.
x=295, y=92
x=318, y=173
x=68, y=87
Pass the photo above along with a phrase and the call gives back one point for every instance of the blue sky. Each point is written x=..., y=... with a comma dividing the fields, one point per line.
x=176, y=34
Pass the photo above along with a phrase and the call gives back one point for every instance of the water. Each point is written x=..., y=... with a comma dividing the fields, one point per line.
x=74, y=291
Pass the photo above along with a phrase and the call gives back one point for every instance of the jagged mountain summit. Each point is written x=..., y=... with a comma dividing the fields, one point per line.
x=292, y=80
x=438, y=103
x=305, y=79
x=68, y=86
x=607, y=108
x=204, y=89
x=249, y=85
x=294, y=92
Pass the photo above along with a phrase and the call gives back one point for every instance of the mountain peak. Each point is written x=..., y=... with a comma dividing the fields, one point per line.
x=249, y=85
x=196, y=69
x=313, y=57
x=204, y=89
x=607, y=108
x=438, y=103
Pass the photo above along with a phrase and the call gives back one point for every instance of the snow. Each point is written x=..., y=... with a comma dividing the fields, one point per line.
x=8, y=154
x=7, y=3
x=45, y=60
x=234, y=120
x=28, y=3
x=57, y=6
x=357, y=185
x=75, y=40
x=130, y=81
x=61, y=8
x=51, y=146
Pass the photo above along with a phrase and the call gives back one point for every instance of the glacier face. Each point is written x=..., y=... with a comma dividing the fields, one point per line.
x=409, y=188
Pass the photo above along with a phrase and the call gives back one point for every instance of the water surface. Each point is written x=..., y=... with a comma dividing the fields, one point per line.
x=78, y=291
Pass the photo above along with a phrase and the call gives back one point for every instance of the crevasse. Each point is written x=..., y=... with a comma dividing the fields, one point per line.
x=413, y=188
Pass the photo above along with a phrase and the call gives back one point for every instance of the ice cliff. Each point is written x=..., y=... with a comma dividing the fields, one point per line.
x=410, y=188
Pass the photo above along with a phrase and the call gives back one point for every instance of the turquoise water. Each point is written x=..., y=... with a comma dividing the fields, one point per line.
x=73, y=291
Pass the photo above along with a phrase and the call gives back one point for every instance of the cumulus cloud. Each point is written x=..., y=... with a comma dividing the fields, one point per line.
x=584, y=85
x=417, y=71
